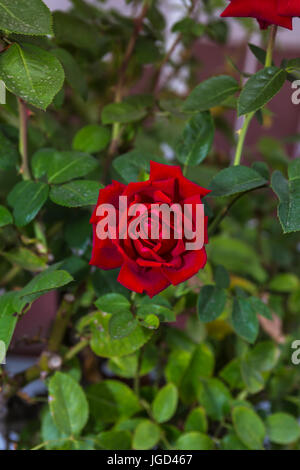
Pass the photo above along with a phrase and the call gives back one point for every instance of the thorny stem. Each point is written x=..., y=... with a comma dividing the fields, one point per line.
x=248, y=118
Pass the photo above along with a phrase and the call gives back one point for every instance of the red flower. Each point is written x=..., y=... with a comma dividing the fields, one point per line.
x=266, y=12
x=289, y=7
x=150, y=265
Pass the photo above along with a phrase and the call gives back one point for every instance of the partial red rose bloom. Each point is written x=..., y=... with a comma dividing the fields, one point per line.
x=150, y=265
x=289, y=7
x=266, y=12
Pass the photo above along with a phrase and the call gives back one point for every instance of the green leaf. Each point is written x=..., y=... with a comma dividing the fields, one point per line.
x=232, y=442
x=282, y=428
x=234, y=180
x=8, y=318
x=32, y=74
x=76, y=194
x=50, y=433
x=146, y=435
x=196, y=420
x=112, y=440
x=112, y=303
x=249, y=427
x=62, y=166
x=262, y=358
x=104, y=346
x=8, y=153
x=122, y=112
x=194, y=441
x=127, y=366
x=42, y=283
x=288, y=193
x=25, y=17
x=132, y=164
x=196, y=140
x=211, y=303
x=165, y=403
x=258, y=52
x=244, y=320
x=41, y=161
x=68, y=404
x=221, y=276
x=111, y=400
x=5, y=217
x=285, y=282
x=121, y=324
x=27, y=198
x=73, y=73
x=177, y=365
x=210, y=93
x=260, y=89
x=252, y=377
x=26, y=259
x=215, y=397
x=231, y=373
x=151, y=321
x=200, y=366
x=157, y=306
x=47, y=280
x=260, y=308
x=91, y=139
x=189, y=27
x=72, y=30
x=236, y=256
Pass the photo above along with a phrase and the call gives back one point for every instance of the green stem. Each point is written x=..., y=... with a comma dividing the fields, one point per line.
x=76, y=349
x=242, y=137
x=271, y=44
x=224, y=211
x=60, y=325
x=25, y=171
x=249, y=117
x=23, y=118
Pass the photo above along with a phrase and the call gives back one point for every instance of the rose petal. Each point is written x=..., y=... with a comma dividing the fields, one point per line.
x=193, y=261
x=105, y=254
x=151, y=281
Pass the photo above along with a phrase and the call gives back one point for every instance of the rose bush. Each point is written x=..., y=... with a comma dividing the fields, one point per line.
x=96, y=95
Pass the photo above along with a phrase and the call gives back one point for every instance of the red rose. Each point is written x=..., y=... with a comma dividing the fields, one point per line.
x=289, y=7
x=150, y=265
x=265, y=11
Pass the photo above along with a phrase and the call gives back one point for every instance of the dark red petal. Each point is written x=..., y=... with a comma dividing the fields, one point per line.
x=192, y=262
x=265, y=11
x=108, y=195
x=160, y=171
x=167, y=185
x=289, y=7
x=105, y=254
x=185, y=187
x=133, y=189
x=151, y=281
